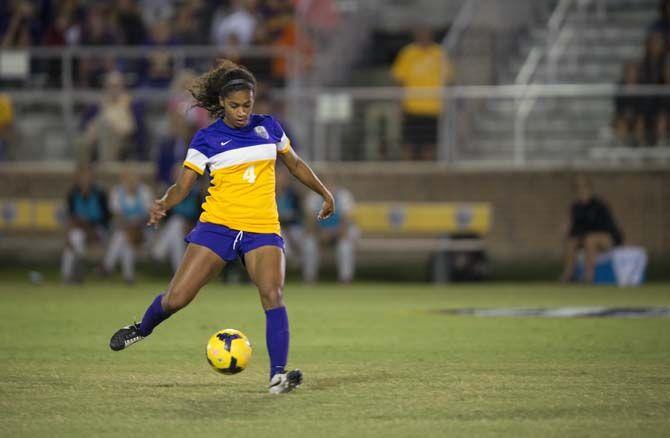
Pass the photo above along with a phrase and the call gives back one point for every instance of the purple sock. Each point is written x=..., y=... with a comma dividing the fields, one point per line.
x=277, y=338
x=153, y=316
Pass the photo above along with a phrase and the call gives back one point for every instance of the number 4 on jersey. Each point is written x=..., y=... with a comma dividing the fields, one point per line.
x=249, y=175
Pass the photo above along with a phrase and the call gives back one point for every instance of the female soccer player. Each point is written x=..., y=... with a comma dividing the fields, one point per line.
x=239, y=216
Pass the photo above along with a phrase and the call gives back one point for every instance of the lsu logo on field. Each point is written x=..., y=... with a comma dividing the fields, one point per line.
x=262, y=132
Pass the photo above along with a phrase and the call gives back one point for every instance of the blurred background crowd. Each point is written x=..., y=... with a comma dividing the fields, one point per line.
x=457, y=106
x=227, y=25
x=114, y=127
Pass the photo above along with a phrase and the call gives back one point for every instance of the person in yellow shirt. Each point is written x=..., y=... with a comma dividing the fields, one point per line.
x=239, y=218
x=7, y=133
x=421, y=64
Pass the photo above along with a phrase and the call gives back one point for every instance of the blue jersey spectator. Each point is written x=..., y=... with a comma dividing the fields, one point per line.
x=338, y=231
x=129, y=201
x=183, y=216
x=88, y=217
x=290, y=209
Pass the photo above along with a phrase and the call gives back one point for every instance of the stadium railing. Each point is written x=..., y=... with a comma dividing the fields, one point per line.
x=480, y=124
x=569, y=124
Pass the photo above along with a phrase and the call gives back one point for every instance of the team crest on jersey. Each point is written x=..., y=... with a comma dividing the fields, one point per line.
x=262, y=132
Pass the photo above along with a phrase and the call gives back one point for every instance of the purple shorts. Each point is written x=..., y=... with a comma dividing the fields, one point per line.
x=230, y=244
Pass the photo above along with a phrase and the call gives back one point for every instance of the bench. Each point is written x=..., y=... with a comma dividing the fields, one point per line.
x=439, y=229
x=39, y=215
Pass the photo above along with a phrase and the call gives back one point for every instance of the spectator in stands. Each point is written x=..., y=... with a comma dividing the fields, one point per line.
x=289, y=206
x=170, y=240
x=97, y=31
x=181, y=109
x=129, y=202
x=129, y=22
x=592, y=229
x=652, y=74
x=66, y=28
x=184, y=120
x=654, y=55
x=87, y=220
x=629, y=122
x=320, y=17
x=663, y=118
x=24, y=27
x=186, y=26
x=114, y=129
x=421, y=64
x=275, y=16
x=7, y=131
x=291, y=37
x=338, y=231
x=240, y=21
x=62, y=32
x=156, y=10
x=157, y=71
x=662, y=24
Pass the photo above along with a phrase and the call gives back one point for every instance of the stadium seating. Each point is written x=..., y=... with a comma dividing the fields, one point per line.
x=595, y=48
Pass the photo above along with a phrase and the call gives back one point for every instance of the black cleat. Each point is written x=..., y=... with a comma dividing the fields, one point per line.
x=125, y=337
x=285, y=382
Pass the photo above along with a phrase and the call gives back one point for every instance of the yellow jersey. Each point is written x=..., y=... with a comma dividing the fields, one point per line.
x=419, y=66
x=241, y=164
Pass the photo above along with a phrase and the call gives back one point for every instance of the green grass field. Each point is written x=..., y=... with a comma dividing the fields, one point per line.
x=379, y=360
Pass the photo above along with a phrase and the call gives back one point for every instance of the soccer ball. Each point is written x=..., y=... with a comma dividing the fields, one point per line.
x=228, y=351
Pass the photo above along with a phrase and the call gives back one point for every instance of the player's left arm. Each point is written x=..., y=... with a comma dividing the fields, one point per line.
x=306, y=175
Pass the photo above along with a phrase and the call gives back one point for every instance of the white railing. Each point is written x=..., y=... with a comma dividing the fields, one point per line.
x=327, y=139
x=332, y=116
x=69, y=95
x=460, y=24
x=558, y=35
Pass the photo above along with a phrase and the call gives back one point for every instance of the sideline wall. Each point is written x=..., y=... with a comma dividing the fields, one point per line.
x=530, y=207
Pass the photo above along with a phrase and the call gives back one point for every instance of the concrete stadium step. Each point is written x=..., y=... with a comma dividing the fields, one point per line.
x=536, y=144
x=552, y=118
x=597, y=50
x=579, y=107
x=602, y=68
x=596, y=32
x=533, y=127
x=43, y=138
x=543, y=138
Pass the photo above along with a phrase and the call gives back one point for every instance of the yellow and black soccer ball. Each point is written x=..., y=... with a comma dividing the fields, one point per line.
x=228, y=351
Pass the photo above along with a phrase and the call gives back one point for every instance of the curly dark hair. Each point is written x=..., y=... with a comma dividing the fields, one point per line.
x=222, y=80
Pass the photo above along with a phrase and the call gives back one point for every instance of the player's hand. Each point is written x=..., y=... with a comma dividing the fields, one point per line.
x=157, y=212
x=327, y=208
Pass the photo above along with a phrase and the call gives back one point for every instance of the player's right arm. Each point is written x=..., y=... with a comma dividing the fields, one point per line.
x=173, y=195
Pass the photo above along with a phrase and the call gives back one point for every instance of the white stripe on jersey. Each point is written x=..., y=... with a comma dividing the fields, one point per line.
x=197, y=158
x=283, y=143
x=243, y=155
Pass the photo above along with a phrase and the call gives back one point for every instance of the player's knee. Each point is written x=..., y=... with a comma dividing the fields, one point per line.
x=272, y=296
x=175, y=300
